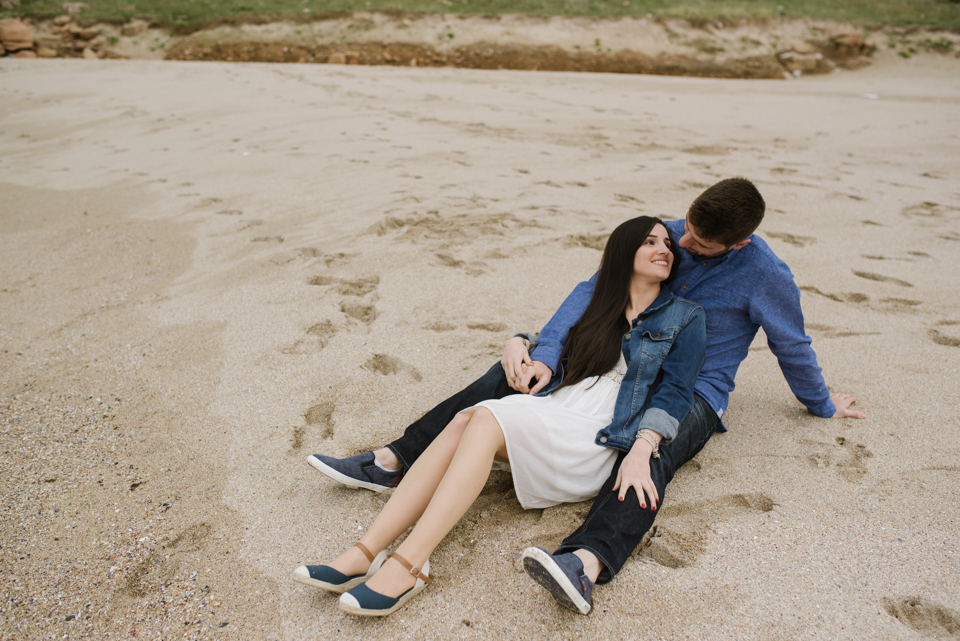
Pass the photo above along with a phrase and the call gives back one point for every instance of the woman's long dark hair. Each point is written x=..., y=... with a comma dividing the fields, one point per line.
x=593, y=344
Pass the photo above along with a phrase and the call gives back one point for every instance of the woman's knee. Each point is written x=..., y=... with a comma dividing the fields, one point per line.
x=460, y=421
x=484, y=422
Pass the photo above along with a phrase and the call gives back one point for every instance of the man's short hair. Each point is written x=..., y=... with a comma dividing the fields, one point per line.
x=727, y=212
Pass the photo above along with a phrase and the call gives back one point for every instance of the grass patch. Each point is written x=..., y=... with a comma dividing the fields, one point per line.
x=191, y=13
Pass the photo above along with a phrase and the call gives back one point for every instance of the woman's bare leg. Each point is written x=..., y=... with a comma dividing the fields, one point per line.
x=409, y=499
x=466, y=475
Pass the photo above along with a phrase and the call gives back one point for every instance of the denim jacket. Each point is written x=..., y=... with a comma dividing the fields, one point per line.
x=664, y=351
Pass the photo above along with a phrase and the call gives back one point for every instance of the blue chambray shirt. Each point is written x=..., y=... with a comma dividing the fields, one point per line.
x=745, y=290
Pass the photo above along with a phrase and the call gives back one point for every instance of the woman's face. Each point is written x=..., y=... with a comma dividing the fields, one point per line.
x=654, y=259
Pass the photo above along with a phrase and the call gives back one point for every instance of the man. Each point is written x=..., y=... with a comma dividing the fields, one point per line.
x=741, y=284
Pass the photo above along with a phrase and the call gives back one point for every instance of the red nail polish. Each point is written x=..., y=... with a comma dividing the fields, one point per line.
x=643, y=505
x=621, y=498
x=654, y=507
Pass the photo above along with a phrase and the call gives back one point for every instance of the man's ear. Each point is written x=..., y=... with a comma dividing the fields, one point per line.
x=741, y=244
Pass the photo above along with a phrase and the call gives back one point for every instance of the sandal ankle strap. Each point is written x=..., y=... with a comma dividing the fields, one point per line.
x=414, y=570
x=366, y=552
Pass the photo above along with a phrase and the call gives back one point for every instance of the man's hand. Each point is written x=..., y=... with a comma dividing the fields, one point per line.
x=843, y=403
x=635, y=472
x=534, y=371
x=515, y=356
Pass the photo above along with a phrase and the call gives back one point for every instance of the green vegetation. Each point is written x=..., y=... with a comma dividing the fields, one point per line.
x=186, y=14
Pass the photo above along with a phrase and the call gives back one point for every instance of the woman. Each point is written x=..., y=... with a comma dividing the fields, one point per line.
x=625, y=381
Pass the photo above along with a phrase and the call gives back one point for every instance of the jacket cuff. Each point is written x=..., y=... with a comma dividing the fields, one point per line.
x=657, y=420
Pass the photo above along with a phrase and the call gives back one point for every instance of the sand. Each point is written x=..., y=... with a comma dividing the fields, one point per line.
x=210, y=271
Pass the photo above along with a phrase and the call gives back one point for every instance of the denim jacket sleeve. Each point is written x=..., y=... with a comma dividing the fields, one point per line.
x=777, y=310
x=554, y=333
x=673, y=398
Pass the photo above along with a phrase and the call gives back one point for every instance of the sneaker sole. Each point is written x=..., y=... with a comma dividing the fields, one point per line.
x=544, y=570
x=343, y=478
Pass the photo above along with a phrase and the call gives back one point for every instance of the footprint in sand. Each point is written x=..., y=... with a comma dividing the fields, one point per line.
x=941, y=338
x=386, y=365
x=706, y=150
x=358, y=287
x=337, y=260
x=440, y=326
x=206, y=202
x=826, y=331
x=487, y=327
x=930, y=212
x=849, y=297
x=882, y=279
x=890, y=304
x=929, y=619
x=590, y=241
x=475, y=268
x=323, y=281
x=318, y=335
x=796, y=241
x=458, y=229
x=160, y=565
x=852, y=467
x=357, y=310
x=900, y=304
x=879, y=257
x=680, y=536
x=320, y=415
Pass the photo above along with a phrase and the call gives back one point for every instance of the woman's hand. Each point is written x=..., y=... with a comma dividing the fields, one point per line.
x=635, y=472
x=538, y=372
x=515, y=356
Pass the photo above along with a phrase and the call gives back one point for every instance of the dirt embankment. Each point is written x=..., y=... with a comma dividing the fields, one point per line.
x=724, y=49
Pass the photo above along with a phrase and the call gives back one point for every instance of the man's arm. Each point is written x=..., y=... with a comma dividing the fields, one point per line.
x=520, y=368
x=778, y=311
x=554, y=333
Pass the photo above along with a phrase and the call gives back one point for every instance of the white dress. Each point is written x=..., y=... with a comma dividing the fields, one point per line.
x=551, y=439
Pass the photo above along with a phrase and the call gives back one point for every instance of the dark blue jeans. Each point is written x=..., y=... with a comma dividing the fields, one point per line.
x=612, y=529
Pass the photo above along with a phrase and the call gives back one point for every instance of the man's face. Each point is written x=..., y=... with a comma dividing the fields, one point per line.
x=698, y=246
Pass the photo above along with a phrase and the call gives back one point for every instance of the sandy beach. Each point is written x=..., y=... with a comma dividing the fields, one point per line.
x=212, y=270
